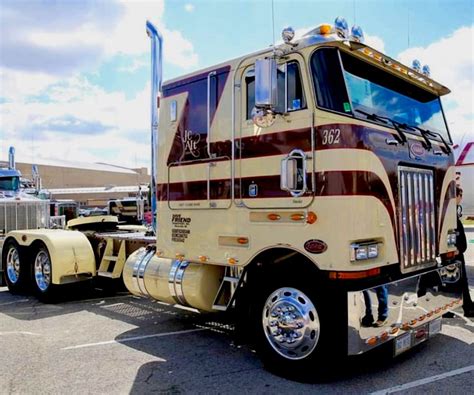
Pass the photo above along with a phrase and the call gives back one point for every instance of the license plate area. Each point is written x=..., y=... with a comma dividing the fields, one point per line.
x=416, y=336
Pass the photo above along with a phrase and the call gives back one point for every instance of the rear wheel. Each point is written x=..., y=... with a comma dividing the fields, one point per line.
x=15, y=265
x=42, y=274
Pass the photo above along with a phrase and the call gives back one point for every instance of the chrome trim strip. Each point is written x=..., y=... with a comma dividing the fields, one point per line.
x=141, y=272
x=172, y=274
x=211, y=74
x=178, y=283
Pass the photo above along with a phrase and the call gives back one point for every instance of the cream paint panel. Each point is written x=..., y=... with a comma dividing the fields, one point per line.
x=448, y=224
x=355, y=213
x=353, y=159
x=449, y=176
x=66, y=249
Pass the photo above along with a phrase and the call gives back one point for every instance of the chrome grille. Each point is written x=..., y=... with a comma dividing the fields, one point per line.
x=416, y=218
x=23, y=215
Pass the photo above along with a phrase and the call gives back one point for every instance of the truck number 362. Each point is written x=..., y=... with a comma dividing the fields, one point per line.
x=331, y=136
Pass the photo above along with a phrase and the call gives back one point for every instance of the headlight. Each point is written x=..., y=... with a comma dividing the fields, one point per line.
x=362, y=251
x=451, y=239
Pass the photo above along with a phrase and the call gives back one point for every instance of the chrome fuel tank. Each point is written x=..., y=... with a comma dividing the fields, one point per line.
x=172, y=281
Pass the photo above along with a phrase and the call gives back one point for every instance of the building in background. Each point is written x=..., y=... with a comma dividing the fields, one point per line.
x=90, y=184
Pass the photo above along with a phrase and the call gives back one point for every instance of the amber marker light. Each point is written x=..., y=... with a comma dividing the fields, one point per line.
x=273, y=217
x=179, y=256
x=384, y=336
x=203, y=258
x=232, y=261
x=242, y=240
x=394, y=330
x=421, y=317
x=413, y=321
x=325, y=29
x=311, y=217
x=297, y=217
x=372, y=341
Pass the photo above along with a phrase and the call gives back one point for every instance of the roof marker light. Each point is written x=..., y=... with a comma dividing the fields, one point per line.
x=357, y=34
x=342, y=28
x=426, y=70
x=416, y=65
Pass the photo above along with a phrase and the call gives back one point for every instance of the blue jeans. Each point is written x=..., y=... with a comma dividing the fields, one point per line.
x=382, y=297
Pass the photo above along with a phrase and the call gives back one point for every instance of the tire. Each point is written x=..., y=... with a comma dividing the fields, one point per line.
x=42, y=274
x=294, y=329
x=15, y=266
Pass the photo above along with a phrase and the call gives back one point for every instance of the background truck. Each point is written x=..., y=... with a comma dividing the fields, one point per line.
x=306, y=187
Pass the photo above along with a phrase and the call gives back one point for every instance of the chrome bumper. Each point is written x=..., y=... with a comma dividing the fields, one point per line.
x=414, y=309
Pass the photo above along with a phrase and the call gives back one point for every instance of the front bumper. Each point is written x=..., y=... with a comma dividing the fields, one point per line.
x=414, y=309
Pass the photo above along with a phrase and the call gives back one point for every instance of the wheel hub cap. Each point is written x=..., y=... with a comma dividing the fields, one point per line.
x=42, y=271
x=13, y=265
x=291, y=323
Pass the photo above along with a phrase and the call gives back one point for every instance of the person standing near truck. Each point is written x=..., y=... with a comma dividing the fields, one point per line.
x=461, y=244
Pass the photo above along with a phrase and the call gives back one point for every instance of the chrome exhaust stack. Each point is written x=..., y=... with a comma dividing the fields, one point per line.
x=156, y=79
x=11, y=158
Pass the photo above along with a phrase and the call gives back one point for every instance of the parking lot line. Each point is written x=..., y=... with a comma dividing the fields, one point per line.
x=426, y=380
x=129, y=339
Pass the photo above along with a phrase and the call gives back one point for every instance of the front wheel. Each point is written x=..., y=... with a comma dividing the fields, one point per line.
x=295, y=330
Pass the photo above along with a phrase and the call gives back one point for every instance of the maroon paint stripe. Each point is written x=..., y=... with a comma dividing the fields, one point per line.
x=332, y=183
x=464, y=153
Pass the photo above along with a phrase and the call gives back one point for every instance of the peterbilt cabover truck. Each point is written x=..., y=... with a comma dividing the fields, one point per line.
x=307, y=187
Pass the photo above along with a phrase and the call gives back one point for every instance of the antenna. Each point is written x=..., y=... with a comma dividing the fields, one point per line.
x=408, y=28
x=273, y=24
x=354, y=11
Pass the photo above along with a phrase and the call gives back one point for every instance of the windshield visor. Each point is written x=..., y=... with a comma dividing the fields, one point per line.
x=375, y=91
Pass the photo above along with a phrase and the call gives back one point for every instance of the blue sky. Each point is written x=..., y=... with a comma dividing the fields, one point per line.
x=74, y=76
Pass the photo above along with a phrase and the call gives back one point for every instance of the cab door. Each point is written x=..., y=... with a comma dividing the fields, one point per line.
x=275, y=164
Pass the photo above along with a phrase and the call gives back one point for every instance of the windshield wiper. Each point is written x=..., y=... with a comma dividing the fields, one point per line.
x=395, y=124
x=425, y=133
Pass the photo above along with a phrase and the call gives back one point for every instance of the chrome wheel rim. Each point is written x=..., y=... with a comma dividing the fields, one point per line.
x=13, y=265
x=42, y=270
x=291, y=323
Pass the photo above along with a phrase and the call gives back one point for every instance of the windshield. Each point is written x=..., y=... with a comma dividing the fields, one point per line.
x=377, y=92
x=9, y=183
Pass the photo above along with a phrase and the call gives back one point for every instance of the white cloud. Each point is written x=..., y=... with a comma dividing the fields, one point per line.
x=375, y=42
x=81, y=122
x=452, y=64
x=189, y=7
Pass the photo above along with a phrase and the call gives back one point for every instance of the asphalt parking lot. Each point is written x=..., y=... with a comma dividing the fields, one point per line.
x=124, y=344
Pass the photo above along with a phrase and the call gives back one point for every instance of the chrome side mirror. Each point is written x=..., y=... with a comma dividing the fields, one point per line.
x=266, y=91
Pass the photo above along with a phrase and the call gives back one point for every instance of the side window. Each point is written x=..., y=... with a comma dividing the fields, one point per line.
x=328, y=81
x=250, y=89
x=296, y=100
x=289, y=88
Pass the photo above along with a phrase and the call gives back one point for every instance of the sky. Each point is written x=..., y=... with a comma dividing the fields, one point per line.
x=75, y=74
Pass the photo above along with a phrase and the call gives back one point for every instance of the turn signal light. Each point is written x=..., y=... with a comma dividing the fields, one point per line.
x=311, y=217
x=232, y=261
x=243, y=240
x=354, y=275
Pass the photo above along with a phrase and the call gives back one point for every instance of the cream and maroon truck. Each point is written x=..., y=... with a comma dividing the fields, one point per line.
x=309, y=188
